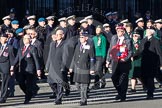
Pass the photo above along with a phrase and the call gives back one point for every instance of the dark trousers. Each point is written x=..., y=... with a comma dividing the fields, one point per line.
x=35, y=86
x=58, y=89
x=11, y=85
x=120, y=80
x=53, y=87
x=149, y=84
x=83, y=91
x=4, y=85
x=25, y=80
x=99, y=70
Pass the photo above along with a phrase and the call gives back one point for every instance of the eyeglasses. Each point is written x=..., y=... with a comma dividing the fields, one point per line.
x=31, y=33
x=135, y=35
x=81, y=37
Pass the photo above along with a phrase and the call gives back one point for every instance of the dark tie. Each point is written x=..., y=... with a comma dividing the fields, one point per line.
x=2, y=48
x=23, y=50
x=81, y=47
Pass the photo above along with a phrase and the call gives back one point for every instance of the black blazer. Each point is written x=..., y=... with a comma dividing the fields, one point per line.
x=38, y=45
x=6, y=59
x=29, y=61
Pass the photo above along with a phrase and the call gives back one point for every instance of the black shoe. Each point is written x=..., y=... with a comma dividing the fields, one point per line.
x=83, y=103
x=88, y=90
x=35, y=92
x=149, y=97
x=67, y=92
x=58, y=102
x=117, y=97
x=96, y=87
x=2, y=101
x=132, y=91
x=122, y=99
x=11, y=95
x=103, y=85
x=53, y=96
x=26, y=101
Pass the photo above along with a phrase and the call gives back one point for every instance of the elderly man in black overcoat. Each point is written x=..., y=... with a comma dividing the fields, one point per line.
x=151, y=61
x=54, y=65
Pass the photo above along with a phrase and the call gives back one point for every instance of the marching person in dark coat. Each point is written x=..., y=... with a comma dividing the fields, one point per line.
x=82, y=65
x=119, y=55
x=151, y=60
x=54, y=66
x=6, y=60
x=27, y=59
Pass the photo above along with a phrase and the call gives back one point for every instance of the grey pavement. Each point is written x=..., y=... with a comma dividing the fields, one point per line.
x=100, y=98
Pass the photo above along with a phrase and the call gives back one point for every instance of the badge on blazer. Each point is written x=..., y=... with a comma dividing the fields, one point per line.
x=28, y=55
x=5, y=54
x=87, y=47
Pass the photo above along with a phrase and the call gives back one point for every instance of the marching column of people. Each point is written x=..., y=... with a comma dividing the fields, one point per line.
x=74, y=51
